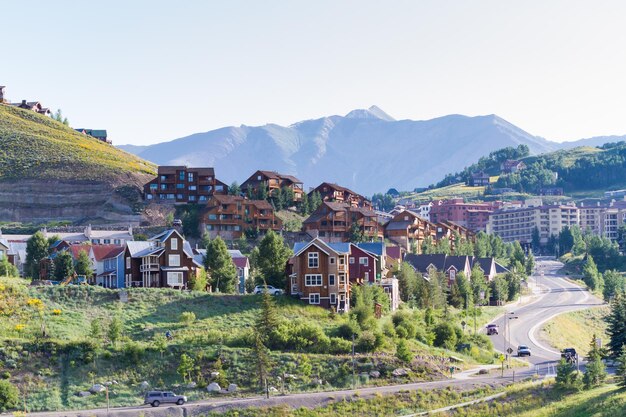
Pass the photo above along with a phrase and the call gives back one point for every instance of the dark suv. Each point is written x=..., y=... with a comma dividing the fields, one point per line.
x=156, y=398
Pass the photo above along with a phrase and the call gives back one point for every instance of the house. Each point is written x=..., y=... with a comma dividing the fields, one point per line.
x=183, y=185
x=112, y=275
x=33, y=106
x=165, y=260
x=449, y=265
x=101, y=134
x=319, y=274
x=333, y=222
x=17, y=255
x=479, y=179
x=488, y=267
x=511, y=166
x=379, y=250
x=394, y=256
x=551, y=191
x=4, y=249
x=472, y=215
x=392, y=289
x=362, y=266
x=230, y=216
x=272, y=181
x=407, y=228
x=336, y=193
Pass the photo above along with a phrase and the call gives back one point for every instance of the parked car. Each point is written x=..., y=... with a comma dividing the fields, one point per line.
x=523, y=350
x=156, y=398
x=569, y=354
x=272, y=290
x=492, y=329
x=177, y=223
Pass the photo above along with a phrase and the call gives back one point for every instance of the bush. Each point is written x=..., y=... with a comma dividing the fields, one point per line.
x=6, y=375
x=445, y=336
x=187, y=317
x=9, y=396
x=339, y=346
x=403, y=352
x=307, y=337
x=425, y=336
x=369, y=341
x=348, y=329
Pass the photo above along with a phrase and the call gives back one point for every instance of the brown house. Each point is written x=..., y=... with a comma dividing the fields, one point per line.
x=164, y=261
x=182, y=185
x=320, y=275
x=407, y=228
x=230, y=216
x=333, y=222
x=336, y=193
x=272, y=181
x=479, y=179
x=32, y=105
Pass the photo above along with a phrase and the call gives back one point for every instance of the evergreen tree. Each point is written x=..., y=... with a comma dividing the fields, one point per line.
x=591, y=276
x=7, y=269
x=403, y=352
x=566, y=240
x=614, y=283
x=595, y=373
x=530, y=264
x=288, y=197
x=443, y=246
x=428, y=246
x=304, y=207
x=261, y=359
x=536, y=239
x=115, y=330
x=514, y=282
x=272, y=259
x=455, y=299
x=315, y=201
x=620, y=373
x=500, y=289
x=616, y=321
x=205, y=242
x=277, y=199
x=518, y=253
x=262, y=193
x=356, y=235
x=407, y=282
x=234, y=189
x=267, y=322
x=479, y=285
x=83, y=264
x=36, y=250
x=63, y=266
x=567, y=377
x=220, y=267
x=465, y=290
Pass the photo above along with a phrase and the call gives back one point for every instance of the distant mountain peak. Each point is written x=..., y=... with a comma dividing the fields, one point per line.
x=374, y=112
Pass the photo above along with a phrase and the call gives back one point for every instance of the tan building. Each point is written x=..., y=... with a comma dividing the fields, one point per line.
x=332, y=222
x=229, y=216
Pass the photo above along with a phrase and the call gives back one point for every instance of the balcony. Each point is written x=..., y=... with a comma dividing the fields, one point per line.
x=151, y=267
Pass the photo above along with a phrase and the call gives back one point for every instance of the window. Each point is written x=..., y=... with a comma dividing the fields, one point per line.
x=192, y=188
x=331, y=279
x=259, y=178
x=190, y=176
x=333, y=298
x=332, y=261
x=163, y=177
x=107, y=241
x=154, y=186
x=149, y=196
x=173, y=260
x=174, y=244
x=351, y=260
x=164, y=186
x=366, y=278
x=179, y=196
x=312, y=280
x=192, y=198
x=342, y=279
x=212, y=216
x=117, y=241
x=128, y=263
x=452, y=274
x=175, y=278
x=363, y=261
x=314, y=260
x=180, y=186
x=181, y=175
x=314, y=298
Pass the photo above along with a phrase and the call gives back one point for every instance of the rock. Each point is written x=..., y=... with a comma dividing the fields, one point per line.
x=191, y=385
x=97, y=388
x=318, y=382
x=214, y=387
x=290, y=376
x=375, y=374
x=144, y=385
x=84, y=394
x=233, y=388
x=483, y=372
x=400, y=372
x=215, y=374
x=273, y=389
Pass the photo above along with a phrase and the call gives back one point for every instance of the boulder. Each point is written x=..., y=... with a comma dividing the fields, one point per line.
x=97, y=388
x=318, y=381
x=400, y=372
x=215, y=374
x=84, y=394
x=272, y=389
x=375, y=374
x=233, y=388
x=144, y=385
x=191, y=385
x=214, y=387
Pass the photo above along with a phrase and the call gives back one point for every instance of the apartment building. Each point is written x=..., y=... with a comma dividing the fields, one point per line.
x=474, y=216
x=183, y=185
x=336, y=193
x=332, y=222
x=272, y=181
x=407, y=228
x=229, y=216
x=519, y=224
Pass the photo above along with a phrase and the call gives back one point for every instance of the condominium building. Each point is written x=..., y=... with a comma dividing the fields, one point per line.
x=474, y=216
x=182, y=185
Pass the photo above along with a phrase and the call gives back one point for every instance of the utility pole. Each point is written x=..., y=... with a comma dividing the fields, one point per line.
x=353, y=365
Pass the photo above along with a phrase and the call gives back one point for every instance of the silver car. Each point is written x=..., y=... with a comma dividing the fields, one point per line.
x=156, y=398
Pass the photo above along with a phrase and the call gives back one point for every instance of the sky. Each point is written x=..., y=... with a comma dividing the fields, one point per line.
x=152, y=71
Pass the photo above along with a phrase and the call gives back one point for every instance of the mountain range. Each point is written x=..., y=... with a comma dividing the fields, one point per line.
x=366, y=150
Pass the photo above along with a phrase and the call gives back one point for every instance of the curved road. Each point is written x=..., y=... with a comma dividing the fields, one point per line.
x=520, y=326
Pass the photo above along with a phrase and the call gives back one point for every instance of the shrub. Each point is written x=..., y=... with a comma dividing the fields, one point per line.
x=9, y=396
x=369, y=341
x=339, y=346
x=348, y=329
x=187, y=317
x=389, y=330
x=307, y=337
x=445, y=335
x=6, y=375
x=403, y=352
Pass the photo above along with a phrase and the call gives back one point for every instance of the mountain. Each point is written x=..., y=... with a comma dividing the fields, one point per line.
x=366, y=150
x=49, y=171
x=595, y=141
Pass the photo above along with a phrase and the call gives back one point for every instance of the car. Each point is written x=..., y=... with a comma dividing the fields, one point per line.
x=177, y=223
x=156, y=398
x=492, y=329
x=272, y=290
x=569, y=354
x=523, y=350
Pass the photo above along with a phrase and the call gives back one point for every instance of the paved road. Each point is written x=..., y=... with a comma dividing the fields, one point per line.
x=558, y=296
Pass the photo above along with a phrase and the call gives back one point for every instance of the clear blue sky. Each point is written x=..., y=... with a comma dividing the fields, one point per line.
x=150, y=71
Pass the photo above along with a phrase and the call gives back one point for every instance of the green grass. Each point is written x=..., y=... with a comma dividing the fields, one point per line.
x=33, y=146
x=575, y=329
x=291, y=221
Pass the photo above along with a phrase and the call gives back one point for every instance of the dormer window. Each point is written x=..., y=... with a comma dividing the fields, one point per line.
x=174, y=244
x=314, y=260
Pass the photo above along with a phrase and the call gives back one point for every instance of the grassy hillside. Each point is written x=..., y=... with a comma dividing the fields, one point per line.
x=35, y=146
x=57, y=341
x=576, y=329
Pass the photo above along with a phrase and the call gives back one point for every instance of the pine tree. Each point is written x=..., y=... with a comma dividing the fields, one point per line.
x=465, y=290
x=479, y=285
x=234, y=189
x=315, y=201
x=595, y=372
x=206, y=241
x=403, y=352
x=36, y=250
x=267, y=322
x=272, y=259
x=518, y=253
x=617, y=324
x=620, y=373
x=261, y=359
x=567, y=378
x=536, y=239
x=530, y=264
x=304, y=205
x=220, y=267
x=591, y=276
x=63, y=266
x=83, y=264
x=407, y=282
x=355, y=234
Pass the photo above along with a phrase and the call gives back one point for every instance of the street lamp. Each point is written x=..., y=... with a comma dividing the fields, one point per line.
x=507, y=335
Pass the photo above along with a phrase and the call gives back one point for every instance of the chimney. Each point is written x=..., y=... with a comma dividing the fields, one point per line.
x=24, y=102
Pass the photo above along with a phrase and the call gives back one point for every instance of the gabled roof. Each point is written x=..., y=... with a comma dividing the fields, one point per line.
x=4, y=243
x=421, y=262
x=300, y=247
x=260, y=204
x=75, y=250
x=340, y=248
x=394, y=252
x=101, y=252
x=136, y=247
x=241, y=262
x=501, y=269
x=227, y=198
x=458, y=262
x=484, y=263
x=376, y=248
